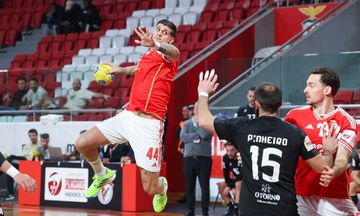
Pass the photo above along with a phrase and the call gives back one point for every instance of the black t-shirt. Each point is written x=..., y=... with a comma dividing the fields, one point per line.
x=232, y=171
x=269, y=148
x=246, y=111
x=355, y=160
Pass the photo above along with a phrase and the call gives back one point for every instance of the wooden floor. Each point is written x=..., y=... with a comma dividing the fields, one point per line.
x=173, y=209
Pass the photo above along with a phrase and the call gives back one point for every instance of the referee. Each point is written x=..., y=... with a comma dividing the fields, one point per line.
x=269, y=148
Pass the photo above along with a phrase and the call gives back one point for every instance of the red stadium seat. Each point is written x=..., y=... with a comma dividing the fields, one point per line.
x=356, y=97
x=210, y=35
x=215, y=25
x=184, y=28
x=47, y=39
x=119, y=24
x=42, y=47
x=59, y=38
x=36, y=19
x=222, y=15
x=69, y=46
x=80, y=117
x=180, y=37
x=199, y=26
x=95, y=103
x=237, y=14
x=26, y=18
x=95, y=117
x=107, y=25
x=119, y=7
x=194, y=36
x=2, y=38
x=80, y=44
x=33, y=57
x=144, y=5
x=72, y=37
x=211, y=7
x=158, y=3
x=112, y=102
x=93, y=43
x=206, y=16
x=187, y=47
x=131, y=6
x=226, y=5
x=343, y=97
x=126, y=81
x=84, y=35
x=97, y=34
x=107, y=91
x=11, y=37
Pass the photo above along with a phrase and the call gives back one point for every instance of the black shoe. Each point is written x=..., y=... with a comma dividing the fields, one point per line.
x=9, y=197
x=230, y=211
x=236, y=211
x=190, y=213
x=182, y=199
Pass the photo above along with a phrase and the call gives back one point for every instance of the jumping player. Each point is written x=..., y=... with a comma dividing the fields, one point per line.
x=141, y=123
x=315, y=120
x=269, y=148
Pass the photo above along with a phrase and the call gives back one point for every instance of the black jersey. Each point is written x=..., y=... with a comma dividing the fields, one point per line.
x=232, y=171
x=270, y=149
x=355, y=160
x=246, y=111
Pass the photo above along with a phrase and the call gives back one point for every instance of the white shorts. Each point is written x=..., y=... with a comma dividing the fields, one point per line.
x=322, y=206
x=143, y=134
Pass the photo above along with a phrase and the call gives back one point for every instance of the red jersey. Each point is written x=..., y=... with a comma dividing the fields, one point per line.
x=315, y=125
x=152, y=85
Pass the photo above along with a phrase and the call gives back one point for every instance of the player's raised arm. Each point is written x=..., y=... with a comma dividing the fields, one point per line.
x=207, y=85
x=130, y=70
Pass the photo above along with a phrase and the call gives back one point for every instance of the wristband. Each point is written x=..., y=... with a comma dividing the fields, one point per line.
x=203, y=94
x=12, y=171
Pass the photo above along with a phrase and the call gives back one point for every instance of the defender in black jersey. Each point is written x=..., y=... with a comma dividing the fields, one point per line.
x=233, y=179
x=354, y=185
x=270, y=149
x=248, y=110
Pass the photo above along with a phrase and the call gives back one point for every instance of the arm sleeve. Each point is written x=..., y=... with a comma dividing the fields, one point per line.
x=308, y=150
x=225, y=128
x=204, y=134
x=289, y=117
x=185, y=136
x=348, y=134
x=2, y=159
x=226, y=171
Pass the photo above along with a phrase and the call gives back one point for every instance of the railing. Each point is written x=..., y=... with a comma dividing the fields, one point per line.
x=231, y=110
x=279, y=52
x=71, y=113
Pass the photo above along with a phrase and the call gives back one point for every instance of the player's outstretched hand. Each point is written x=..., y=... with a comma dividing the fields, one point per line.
x=146, y=38
x=114, y=70
x=327, y=175
x=208, y=82
x=330, y=140
x=26, y=182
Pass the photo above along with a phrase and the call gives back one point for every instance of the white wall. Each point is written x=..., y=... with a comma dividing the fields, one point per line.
x=14, y=134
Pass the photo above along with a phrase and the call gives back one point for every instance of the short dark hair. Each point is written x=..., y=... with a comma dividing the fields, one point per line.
x=33, y=131
x=252, y=88
x=228, y=144
x=191, y=106
x=169, y=24
x=329, y=77
x=269, y=96
x=34, y=79
x=21, y=78
x=44, y=136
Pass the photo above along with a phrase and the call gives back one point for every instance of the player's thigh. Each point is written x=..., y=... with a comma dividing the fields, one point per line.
x=336, y=207
x=91, y=139
x=307, y=205
x=221, y=186
x=145, y=138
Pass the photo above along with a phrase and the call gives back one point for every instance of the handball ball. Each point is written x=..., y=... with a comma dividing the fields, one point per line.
x=37, y=151
x=101, y=76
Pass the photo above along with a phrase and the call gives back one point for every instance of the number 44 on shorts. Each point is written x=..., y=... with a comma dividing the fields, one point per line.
x=153, y=153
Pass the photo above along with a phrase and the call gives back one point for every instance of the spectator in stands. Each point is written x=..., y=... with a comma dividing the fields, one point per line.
x=89, y=19
x=37, y=96
x=77, y=98
x=54, y=16
x=69, y=22
x=18, y=99
x=28, y=154
x=197, y=162
x=233, y=179
x=248, y=110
